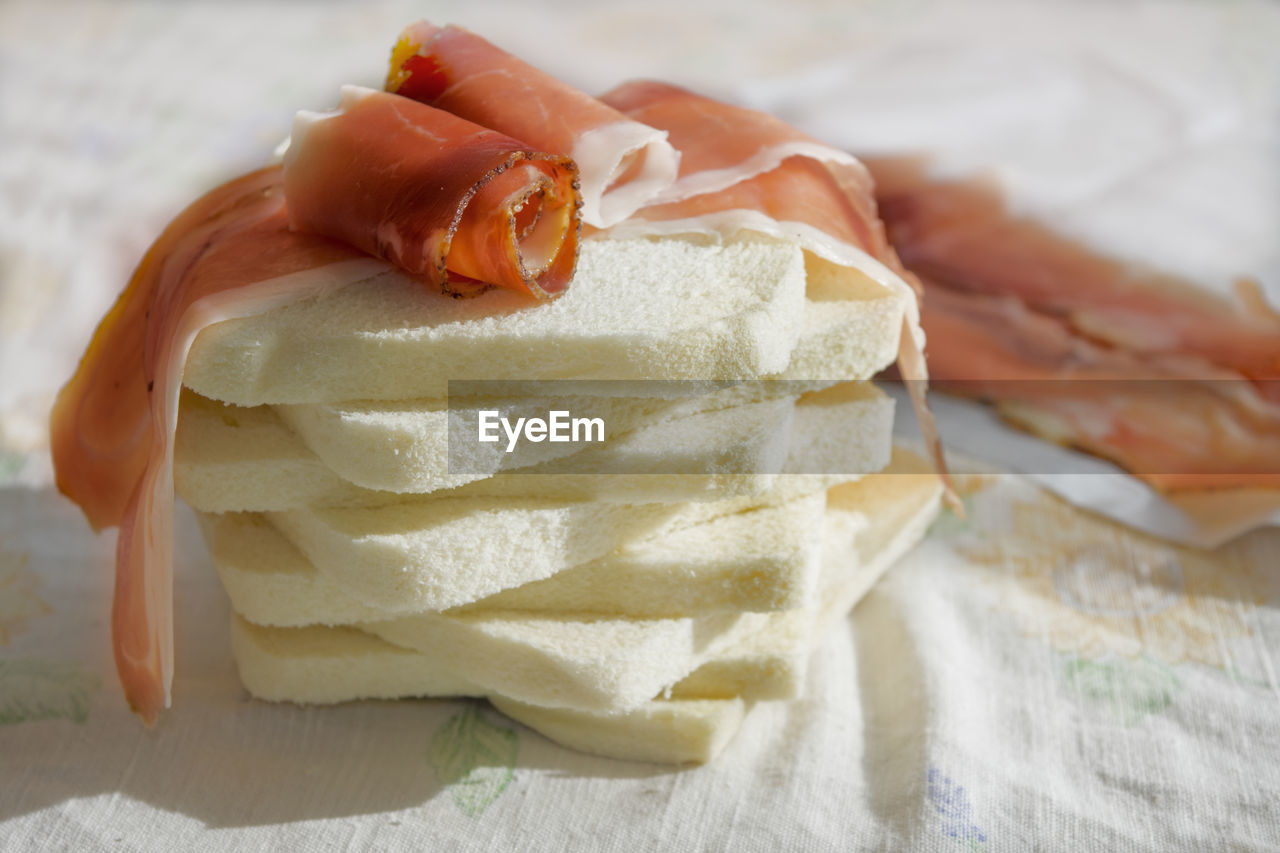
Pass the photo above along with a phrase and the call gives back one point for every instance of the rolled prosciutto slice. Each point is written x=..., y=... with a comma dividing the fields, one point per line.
x=230, y=254
x=455, y=203
x=623, y=163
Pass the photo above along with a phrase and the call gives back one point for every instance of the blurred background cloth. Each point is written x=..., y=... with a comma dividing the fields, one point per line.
x=1006, y=688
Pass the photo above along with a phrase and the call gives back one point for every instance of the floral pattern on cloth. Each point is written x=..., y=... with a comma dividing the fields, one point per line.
x=1128, y=690
x=475, y=759
x=38, y=689
x=953, y=806
x=19, y=600
x=11, y=464
x=33, y=687
x=1102, y=593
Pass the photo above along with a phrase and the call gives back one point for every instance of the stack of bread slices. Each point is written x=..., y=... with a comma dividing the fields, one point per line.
x=637, y=615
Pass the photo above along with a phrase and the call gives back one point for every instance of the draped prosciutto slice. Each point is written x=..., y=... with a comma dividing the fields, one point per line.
x=1177, y=422
x=228, y=255
x=747, y=142
x=623, y=163
x=824, y=204
x=1175, y=384
x=436, y=195
x=960, y=234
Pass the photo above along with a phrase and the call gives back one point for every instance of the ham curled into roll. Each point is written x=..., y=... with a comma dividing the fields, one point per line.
x=438, y=196
x=624, y=163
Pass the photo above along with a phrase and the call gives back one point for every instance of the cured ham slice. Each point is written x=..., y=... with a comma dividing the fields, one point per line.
x=959, y=234
x=623, y=163
x=767, y=178
x=1176, y=422
x=1173, y=383
x=230, y=254
x=747, y=142
x=434, y=194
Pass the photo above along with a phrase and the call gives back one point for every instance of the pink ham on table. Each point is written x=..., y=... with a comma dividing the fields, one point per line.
x=623, y=163
x=960, y=234
x=1174, y=383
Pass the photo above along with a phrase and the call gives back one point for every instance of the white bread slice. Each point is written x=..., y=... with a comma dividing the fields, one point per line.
x=404, y=445
x=678, y=731
x=435, y=553
x=885, y=516
x=393, y=450
x=567, y=661
x=637, y=309
x=616, y=664
x=230, y=458
x=847, y=323
x=764, y=559
x=320, y=665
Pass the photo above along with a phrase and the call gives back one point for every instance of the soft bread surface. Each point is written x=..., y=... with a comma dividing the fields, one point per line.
x=433, y=554
x=766, y=661
x=402, y=445
x=231, y=458
x=615, y=664
x=762, y=559
x=408, y=452
x=664, y=731
x=569, y=659
x=638, y=309
x=325, y=665
x=849, y=327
